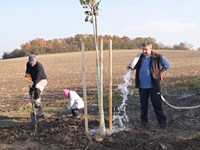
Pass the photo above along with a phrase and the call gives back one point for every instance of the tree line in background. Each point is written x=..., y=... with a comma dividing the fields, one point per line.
x=71, y=44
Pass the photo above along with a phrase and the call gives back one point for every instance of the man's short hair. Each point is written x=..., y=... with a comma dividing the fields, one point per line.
x=147, y=43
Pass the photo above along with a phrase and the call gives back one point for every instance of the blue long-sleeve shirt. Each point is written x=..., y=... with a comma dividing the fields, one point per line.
x=145, y=74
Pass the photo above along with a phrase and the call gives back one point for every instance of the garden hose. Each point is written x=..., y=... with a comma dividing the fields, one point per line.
x=175, y=107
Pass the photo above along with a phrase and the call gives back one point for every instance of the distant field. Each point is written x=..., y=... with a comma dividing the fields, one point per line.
x=64, y=71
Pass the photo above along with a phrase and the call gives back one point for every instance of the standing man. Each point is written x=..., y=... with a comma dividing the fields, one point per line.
x=39, y=78
x=149, y=71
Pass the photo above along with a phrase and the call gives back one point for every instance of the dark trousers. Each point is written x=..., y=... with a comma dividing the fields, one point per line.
x=36, y=93
x=155, y=97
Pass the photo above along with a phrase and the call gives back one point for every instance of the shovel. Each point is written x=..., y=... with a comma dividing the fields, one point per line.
x=33, y=113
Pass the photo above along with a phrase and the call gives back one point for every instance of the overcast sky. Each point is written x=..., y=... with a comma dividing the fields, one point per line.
x=168, y=21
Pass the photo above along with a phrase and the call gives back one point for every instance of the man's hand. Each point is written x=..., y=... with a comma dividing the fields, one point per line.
x=129, y=67
x=161, y=76
x=161, y=73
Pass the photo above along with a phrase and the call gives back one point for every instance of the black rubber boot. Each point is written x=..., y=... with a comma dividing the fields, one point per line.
x=75, y=113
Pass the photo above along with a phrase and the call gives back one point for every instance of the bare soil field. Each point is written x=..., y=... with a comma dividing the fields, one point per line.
x=181, y=87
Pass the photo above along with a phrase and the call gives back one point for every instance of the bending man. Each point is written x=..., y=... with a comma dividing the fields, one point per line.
x=35, y=69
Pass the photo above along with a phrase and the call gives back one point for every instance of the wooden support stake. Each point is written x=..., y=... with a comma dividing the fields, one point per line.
x=110, y=86
x=84, y=87
x=102, y=123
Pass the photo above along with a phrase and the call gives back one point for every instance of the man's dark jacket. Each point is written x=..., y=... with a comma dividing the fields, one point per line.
x=37, y=72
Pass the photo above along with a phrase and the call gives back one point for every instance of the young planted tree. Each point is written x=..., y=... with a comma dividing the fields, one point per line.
x=91, y=16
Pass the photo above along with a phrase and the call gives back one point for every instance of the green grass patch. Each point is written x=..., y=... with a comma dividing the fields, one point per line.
x=182, y=84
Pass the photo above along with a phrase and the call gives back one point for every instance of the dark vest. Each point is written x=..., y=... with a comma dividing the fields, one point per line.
x=155, y=67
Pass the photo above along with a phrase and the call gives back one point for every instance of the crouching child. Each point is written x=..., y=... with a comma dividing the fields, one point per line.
x=75, y=102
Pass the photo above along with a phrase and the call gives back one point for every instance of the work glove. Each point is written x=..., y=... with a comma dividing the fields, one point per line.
x=28, y=78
